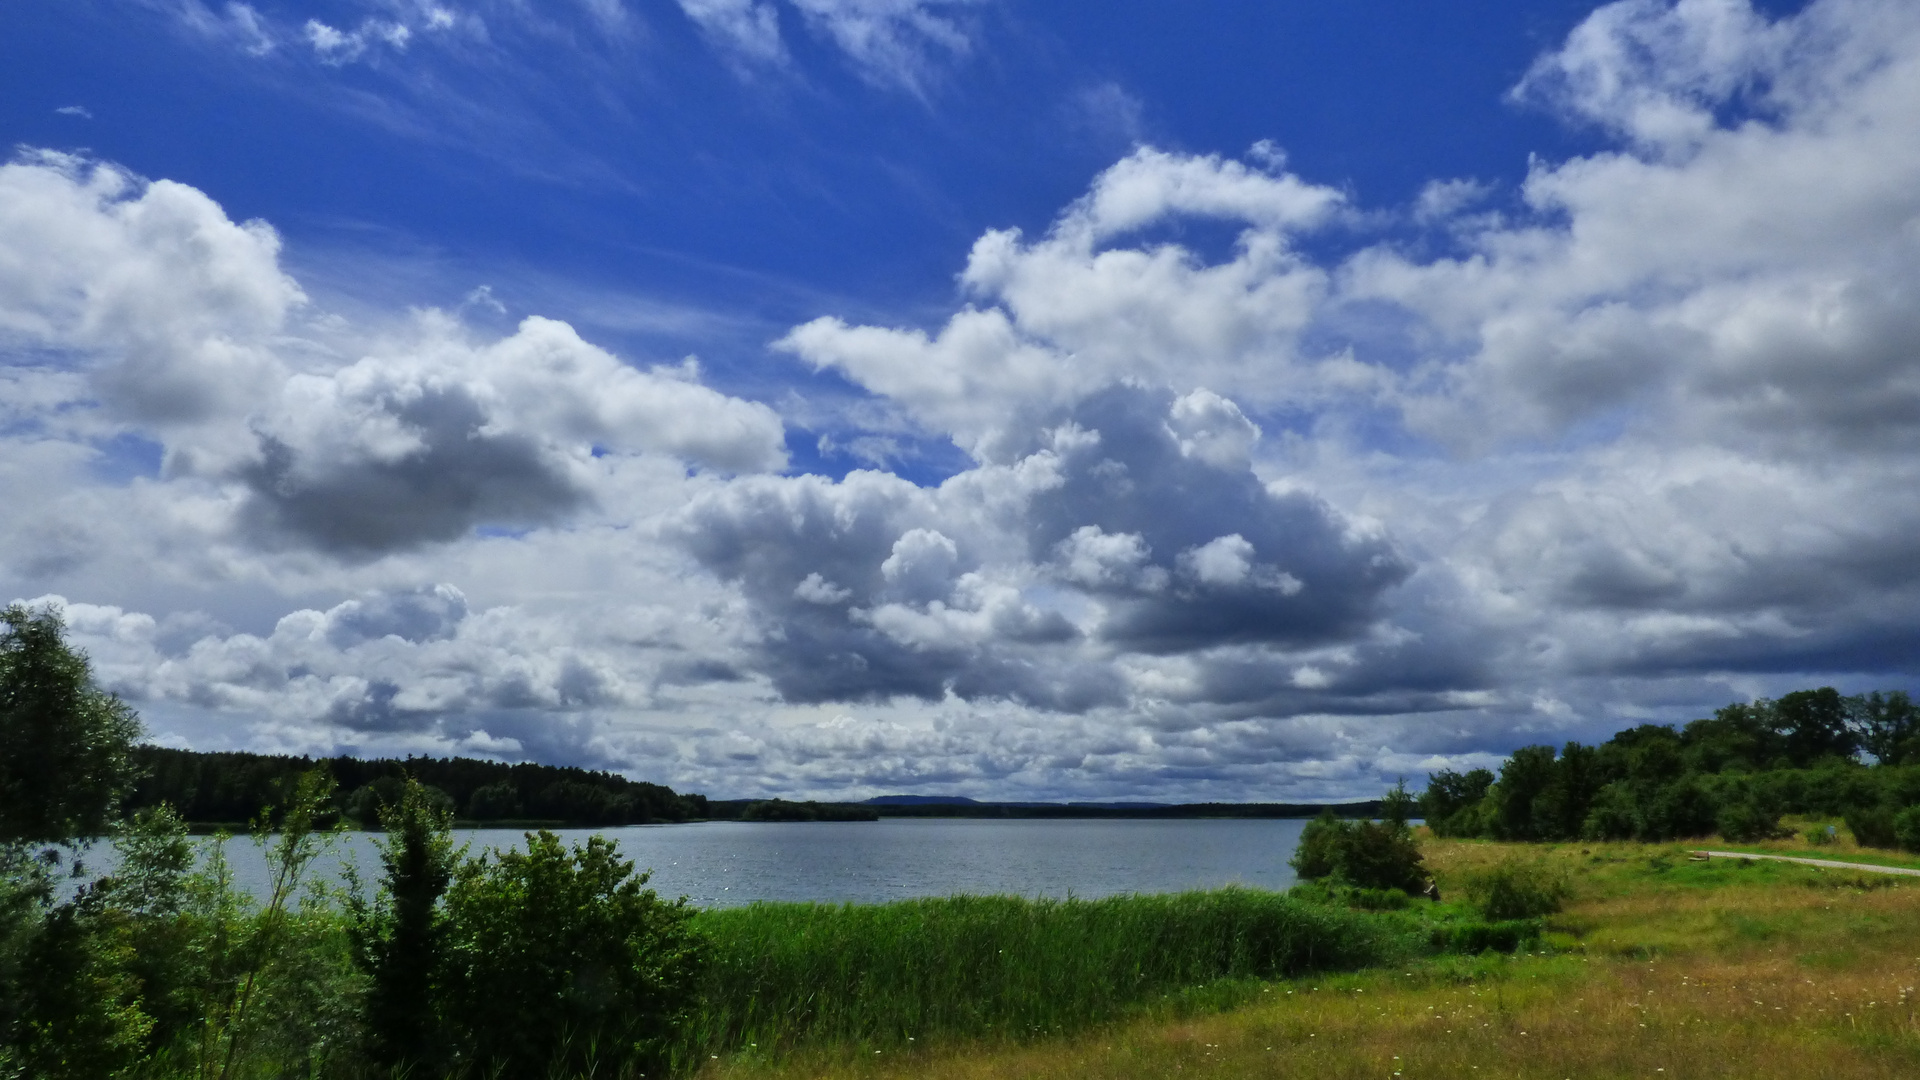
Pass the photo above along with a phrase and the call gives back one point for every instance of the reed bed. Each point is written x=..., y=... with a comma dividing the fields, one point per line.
x=780, y=975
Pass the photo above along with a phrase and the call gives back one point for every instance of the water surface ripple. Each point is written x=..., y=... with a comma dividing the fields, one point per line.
x=729, y=863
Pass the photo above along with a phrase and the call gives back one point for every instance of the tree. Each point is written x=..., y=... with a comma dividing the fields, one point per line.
x=1889, y=726
x=398, y=943
x=1365, y=854
x=66, y=746
x=1449, y=798
x=1814, y=725
x=554, y=957
x=1526, y=775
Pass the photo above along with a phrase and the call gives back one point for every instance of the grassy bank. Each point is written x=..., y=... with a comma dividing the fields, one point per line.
x=1659, y=967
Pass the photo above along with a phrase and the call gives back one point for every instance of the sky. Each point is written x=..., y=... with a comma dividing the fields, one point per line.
x=1007, y=398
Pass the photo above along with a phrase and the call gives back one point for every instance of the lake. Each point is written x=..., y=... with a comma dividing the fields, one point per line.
x=730, y=863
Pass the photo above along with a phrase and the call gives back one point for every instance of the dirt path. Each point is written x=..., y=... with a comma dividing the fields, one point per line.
x=1869, y=867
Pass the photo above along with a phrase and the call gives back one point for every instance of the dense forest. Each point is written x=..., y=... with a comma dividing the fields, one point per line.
x=232, y=788
x=1813, y=752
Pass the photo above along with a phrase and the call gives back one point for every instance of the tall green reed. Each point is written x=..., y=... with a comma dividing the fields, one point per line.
x=781, y=974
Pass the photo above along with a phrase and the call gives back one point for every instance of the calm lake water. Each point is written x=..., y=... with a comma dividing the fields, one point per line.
x=729, y=863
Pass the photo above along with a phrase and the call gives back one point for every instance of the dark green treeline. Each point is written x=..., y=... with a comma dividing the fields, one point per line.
x=228, y=788
x=1734, y=774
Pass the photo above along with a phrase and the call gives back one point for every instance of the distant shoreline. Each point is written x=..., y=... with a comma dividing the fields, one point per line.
x=783, y=811
x=886, y=807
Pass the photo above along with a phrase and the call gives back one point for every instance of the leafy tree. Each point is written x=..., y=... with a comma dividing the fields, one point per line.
x=1672, y=811
x=65, y=744
x=69, y=1006
x=1399, y=806
x=261, y=974
x=1906, y=828
x=1889, y=726
x=1561, y=807
x=1525, y=776
x=1749, y=815
x=1612, y=815
x=1365, y=854
x=1452, y=801
x=398, y=943
x=75, y=1011
x=555, y=957
x=1739, y=735
x=1813, y=724
x=1383, y=855
x=495, y=801
x=1318, y=854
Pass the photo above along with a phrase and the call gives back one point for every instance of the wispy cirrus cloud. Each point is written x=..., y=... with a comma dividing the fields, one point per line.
x=899, y=44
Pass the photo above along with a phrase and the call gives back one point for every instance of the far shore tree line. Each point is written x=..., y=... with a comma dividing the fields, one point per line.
x=1812, y=753
x=233, y=787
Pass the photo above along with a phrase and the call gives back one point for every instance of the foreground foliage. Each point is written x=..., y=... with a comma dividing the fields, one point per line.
x=66, y=746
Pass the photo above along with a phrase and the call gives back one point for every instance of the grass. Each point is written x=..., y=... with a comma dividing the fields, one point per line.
x=1841, y=848
x=1658, y=967
x=781, y=975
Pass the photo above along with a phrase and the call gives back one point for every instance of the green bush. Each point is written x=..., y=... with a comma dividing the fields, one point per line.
x=1364, y=854
x=1906, y=828
x=1612, y=815
x=1516, y=890
x=495, y=801
x=1746, y=820
x=562, y=960
x=1872, y=826
x=1471, y=938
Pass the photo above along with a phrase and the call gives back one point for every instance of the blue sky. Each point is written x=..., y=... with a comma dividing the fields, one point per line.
x=840, y=397
x=638, y=156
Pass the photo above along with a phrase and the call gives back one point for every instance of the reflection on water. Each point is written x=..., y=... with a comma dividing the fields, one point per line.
x=727, y=863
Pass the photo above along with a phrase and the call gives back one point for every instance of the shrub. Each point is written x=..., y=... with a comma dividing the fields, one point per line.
x=1506, y=935
x=1679, y=809
x=1746, y=820
x=1365, y=854
x=1872, y=826
x=1516, y=890
x=1612, y=815
x=556, y=958
x=494, y=801
x=1381, y=855
x=1321, y=842
x=1379, y=899
x=1906, y=828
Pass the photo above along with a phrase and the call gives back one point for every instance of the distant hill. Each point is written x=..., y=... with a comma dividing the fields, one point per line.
x=936, y=806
